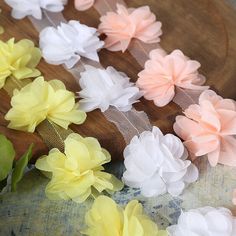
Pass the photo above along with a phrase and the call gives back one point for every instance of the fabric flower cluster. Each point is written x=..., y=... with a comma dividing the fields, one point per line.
x=122, y=26
x=157, y=164
x=34, y=8
x=18, y=59
x=82, y=5
x=42, y=100
x=68, y=42
x=208, y=128
x=163, y=73
x=106, y=218
x=206, y=221
x=78, y=173
x=102, y=88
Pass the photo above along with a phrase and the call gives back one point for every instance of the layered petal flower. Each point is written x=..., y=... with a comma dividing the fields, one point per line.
x=207, y=221
x=208, y=128
x=67, y=43
x=42, y=100
x=122, y=26
x=163, y=73
x=78, y=173
x=82, y=5
x=157, y=164
x=18, y=59
x=106, y=218
x=101, y=88
x=23, y=8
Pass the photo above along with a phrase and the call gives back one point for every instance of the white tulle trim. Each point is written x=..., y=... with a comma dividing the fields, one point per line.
x=157, y=164
x=68, y=42
x=22, y=8
x=101, y=88
x=207, y=221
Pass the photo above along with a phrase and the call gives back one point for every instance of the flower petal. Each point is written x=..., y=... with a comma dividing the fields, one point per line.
x=68, y=42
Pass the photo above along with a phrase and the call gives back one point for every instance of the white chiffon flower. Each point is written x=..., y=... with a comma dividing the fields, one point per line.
x=157, y=164
x=206, y=221
x=22, y=8
x=101, y=88
x=68, y=42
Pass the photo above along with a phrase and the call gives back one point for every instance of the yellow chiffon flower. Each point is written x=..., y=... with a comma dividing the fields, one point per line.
x=40, y=100
x=18, y=59
x=78, y=173
x=106, y=218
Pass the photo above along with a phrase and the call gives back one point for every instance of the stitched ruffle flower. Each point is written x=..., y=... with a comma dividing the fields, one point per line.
x=106, y=218
x=206, y=221
x=208, y=128
x=42, y=100
x=78, y=173
x=18, y=59
x=121, y=26
x=102, y=88
x=68, y=42
x=157, y=164
x=82, y=5
x=163, y=73
x=23, y=8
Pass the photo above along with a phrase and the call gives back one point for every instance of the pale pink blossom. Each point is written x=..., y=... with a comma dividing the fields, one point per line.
x=127, y=23
x=164, y=72
x=209, y=128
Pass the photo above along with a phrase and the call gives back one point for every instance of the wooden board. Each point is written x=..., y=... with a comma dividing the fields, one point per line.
x=203, y=29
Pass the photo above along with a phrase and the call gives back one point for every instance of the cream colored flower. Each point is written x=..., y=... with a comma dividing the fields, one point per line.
x=107, y=219
x=35, y=8
x=157, y=164
x=78, y=173
x=68, y=42
x=42, y=100
x=18, y=59
x=102, y=88
x=205, y=221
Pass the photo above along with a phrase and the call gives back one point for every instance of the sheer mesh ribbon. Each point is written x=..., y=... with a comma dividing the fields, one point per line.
x=129, y=123
x=186, y=97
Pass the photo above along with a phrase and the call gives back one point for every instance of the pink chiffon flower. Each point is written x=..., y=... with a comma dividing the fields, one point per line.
x=127, y=23
x=82, y=5
x=163, y=73
x=208, y=128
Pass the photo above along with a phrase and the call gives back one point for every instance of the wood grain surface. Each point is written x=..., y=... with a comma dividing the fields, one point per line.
x=203, y=29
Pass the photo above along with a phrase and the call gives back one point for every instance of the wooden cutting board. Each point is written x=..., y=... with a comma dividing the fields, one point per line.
x=203, y=29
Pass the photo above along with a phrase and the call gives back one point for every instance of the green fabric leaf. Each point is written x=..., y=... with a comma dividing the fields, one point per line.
x=7, y=155
x=20, y=165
